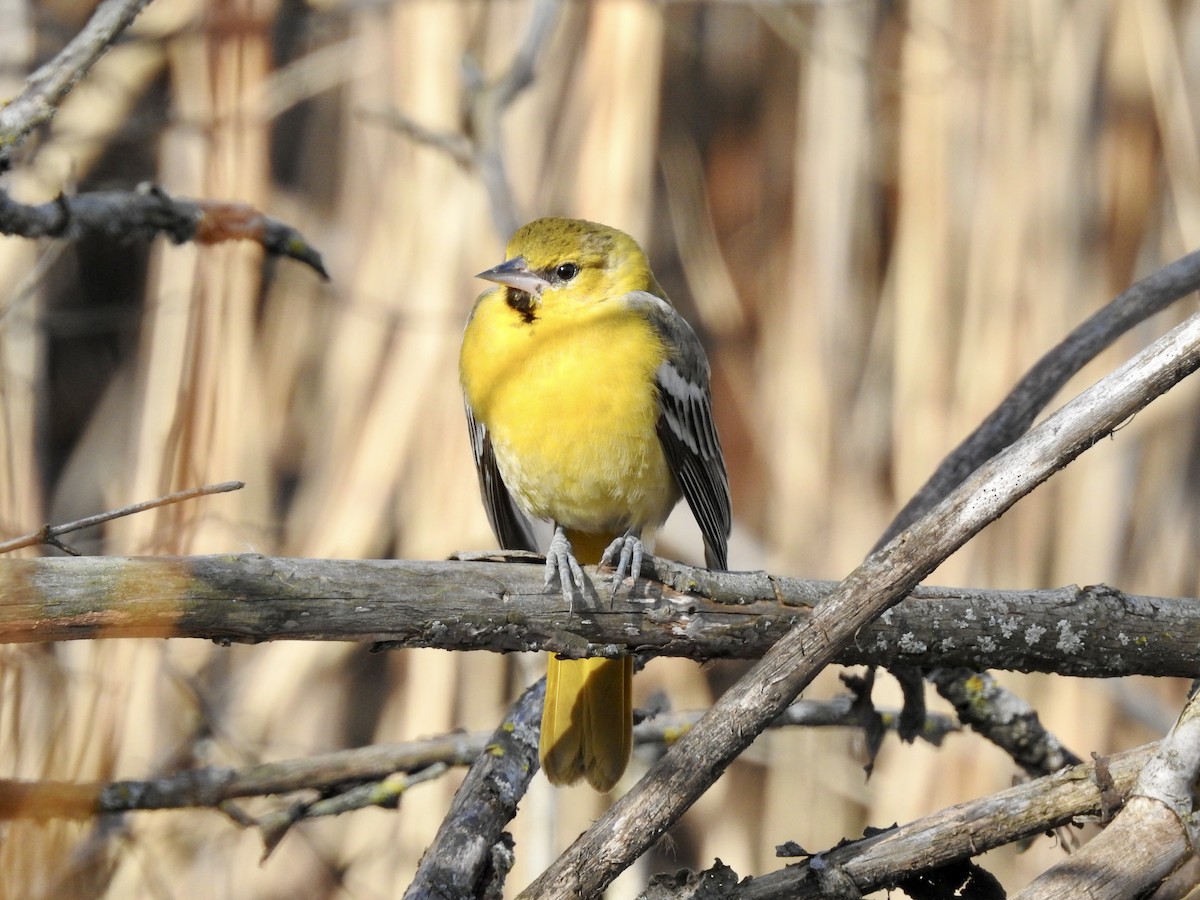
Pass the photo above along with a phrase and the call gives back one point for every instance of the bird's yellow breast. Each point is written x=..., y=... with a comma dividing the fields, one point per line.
x=570, y=404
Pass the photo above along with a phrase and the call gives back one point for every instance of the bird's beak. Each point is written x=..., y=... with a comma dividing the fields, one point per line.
x=515, y=273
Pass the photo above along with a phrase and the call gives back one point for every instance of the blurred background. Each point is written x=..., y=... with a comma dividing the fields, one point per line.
x=877, y=215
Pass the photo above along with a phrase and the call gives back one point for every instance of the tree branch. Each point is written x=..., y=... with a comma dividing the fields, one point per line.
x=470, y=855
x=347, y=780
x=990, y=712
x=486, y=104
x=962, y=831
x=1154, y=832
x=386, y=793
x=985, y=705
x=212, y=786
x=150, y=211
x=501, y=606
x=45, y=89
x=699, y=757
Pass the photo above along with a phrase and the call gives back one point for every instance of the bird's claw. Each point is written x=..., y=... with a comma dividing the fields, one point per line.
x=560, y=561
x=625, y=555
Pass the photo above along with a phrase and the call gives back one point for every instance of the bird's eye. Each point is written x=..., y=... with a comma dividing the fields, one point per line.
x=566, y=271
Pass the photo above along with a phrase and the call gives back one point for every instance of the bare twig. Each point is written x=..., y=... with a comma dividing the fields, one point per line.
x=150, y=211
x=481, y=146
x=457, y=146
x=386, y=793
x=699, y=757
x=486, y=105
x=213, y=786
x=49, y=534
x=46, y=88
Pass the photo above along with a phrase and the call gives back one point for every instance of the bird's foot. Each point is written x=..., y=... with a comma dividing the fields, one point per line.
x=563, y=568
x=625, y=555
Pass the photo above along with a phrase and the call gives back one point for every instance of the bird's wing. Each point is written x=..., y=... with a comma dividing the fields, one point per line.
x=510, y=525
x=685, y=426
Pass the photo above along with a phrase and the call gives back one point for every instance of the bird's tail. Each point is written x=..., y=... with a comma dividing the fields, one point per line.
x=587, y=720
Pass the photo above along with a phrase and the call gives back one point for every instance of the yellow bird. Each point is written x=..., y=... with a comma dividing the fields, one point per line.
x=589, y=406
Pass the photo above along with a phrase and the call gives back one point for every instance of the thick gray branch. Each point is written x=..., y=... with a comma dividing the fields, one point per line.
x=498, y=606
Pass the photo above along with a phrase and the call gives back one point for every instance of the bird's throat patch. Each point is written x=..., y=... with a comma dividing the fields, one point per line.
x=522, y=303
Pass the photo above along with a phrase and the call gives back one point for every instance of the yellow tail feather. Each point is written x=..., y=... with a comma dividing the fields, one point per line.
x=587, y=719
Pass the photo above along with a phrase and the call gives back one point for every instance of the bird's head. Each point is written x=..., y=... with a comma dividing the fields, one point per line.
x=570, y=260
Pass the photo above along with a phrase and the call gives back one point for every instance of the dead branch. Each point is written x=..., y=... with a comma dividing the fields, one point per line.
x=985, y=705
x=470, y=855
x=962, y=831
x=1047, y=377
x=386, y=793
x=379, y=775
x=501, y=606
x=1149, y=838
x=149, y=211
x=212, y=786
